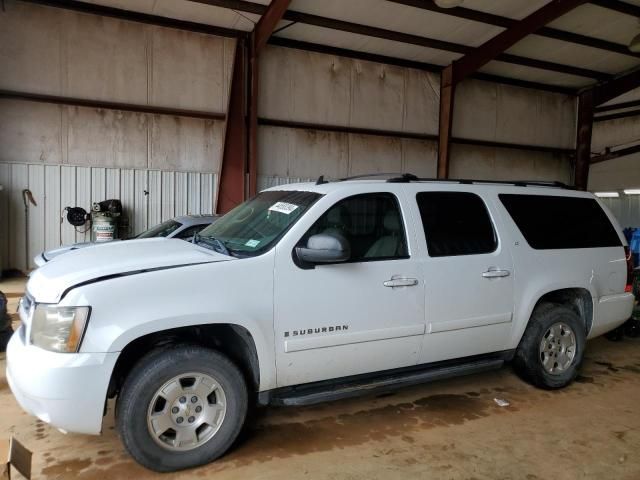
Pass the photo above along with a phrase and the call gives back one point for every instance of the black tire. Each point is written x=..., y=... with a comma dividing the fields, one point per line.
x=527, y=360
x=5, y=336
x=140, y=386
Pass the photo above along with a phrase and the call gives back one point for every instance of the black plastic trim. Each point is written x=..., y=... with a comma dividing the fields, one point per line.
x=378, y=382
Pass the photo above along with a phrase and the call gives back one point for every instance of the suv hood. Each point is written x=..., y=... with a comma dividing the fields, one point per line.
x=49, y=282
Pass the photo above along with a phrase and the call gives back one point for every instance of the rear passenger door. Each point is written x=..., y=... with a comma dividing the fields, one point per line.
x=468, y=275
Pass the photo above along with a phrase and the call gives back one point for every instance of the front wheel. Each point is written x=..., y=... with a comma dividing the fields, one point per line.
x=181, y=407
x=552, y=347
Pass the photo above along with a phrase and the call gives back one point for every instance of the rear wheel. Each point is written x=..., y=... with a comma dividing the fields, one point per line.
x=552, y=347
x=181, y=407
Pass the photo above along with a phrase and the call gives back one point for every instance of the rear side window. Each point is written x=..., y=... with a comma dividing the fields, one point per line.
x=550, y=222
x=456, y=223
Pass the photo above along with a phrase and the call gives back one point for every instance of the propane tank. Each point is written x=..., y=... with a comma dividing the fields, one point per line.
x=103, y=227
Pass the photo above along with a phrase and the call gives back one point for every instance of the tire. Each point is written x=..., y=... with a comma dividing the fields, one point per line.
x=569, y=328
x=5, y=336
x=142, y=409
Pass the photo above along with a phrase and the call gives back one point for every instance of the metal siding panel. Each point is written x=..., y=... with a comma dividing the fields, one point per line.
x=19, y=181
x=83, y=199
x=36, y=213
x=98, y=185
x=68, y=188
x=181, y=193
x=154, y=202
x=127, y=197
x=215, y=181
x=5, y=181
x=168, y=195
x=140, y=205
x=112, y=181
x=193, y=205
x=206, y=193
x=52, y=209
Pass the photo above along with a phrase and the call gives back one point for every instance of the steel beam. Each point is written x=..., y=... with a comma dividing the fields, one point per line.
x=618, y=6
x=129, y=15
x=376, y=32
x=617, y=115
x=610, y=155
x=445, y=120
x=583, y=139
x=617, y=106
x=270, y=122
x=125, y=107
x=268, y=22
x=494, y=48
x=232, y=186
x=505, y=22
x=605, y=91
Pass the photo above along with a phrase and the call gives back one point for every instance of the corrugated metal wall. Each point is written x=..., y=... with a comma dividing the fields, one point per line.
x=317, y=88
x=626, y=209
x=55, y=187
x=73, y=156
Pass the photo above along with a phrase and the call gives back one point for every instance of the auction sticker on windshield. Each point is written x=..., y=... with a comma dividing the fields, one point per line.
x=283, y=207
x=252, y=243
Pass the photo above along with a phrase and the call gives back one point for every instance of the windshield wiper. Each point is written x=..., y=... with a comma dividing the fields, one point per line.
x=212, y=243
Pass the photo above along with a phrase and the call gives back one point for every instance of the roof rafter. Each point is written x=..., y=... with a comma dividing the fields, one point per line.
x=605, y=91
x=401, y=37
x=505, y=22
x=267, y=24
x=495, y=47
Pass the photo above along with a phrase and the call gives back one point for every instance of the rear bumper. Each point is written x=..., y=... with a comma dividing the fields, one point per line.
x=611, y=311
x=66, y=390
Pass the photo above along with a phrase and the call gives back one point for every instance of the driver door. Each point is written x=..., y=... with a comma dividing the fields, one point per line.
x=354, y=317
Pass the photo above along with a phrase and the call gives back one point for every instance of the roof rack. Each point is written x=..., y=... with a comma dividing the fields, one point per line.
x=397, y=177
x=369, y=175
x=409, y=177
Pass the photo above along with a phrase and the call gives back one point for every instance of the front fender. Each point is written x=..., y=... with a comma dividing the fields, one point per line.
x=127, y=308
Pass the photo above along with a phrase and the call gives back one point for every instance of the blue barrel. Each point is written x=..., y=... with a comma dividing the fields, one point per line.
x=634, y=246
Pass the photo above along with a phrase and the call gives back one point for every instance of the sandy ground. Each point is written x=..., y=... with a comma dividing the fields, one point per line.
x=446, y=430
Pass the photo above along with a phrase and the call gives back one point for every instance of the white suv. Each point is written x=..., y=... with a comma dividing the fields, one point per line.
x=315, y=292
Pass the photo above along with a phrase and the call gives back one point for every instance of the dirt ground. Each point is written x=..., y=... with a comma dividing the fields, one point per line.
x=445, y=430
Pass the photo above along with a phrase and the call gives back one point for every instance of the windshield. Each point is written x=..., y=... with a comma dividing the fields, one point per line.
x=163, y=230
x=255, y=225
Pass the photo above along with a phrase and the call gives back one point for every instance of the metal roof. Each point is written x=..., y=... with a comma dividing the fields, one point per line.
x=554, y=56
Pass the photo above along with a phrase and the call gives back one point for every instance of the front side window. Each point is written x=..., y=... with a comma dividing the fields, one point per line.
x=255, y=225
x=162, y=230
x=371, y=223
x=456, y=223
x=189, y=232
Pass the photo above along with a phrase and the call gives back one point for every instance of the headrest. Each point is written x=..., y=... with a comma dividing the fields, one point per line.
x=392, y=221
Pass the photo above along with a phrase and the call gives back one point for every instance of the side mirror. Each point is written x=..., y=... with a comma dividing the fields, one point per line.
x=325, y=248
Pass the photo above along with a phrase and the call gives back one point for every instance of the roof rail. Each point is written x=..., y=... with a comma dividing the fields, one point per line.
x=397, y=177
x=368, y=175
x=408, y=177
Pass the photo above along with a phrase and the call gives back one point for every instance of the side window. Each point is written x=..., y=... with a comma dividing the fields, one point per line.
x=554, y=222
x=456, y=223
x=188, y=233
x=371, y=223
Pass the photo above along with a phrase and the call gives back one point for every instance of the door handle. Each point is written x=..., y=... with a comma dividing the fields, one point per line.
x=495, y=273
x=401, y=282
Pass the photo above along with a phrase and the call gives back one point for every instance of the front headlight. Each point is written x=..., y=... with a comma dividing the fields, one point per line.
x=58, y=329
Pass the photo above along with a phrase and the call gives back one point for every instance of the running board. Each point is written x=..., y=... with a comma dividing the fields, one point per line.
x=331, y=391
